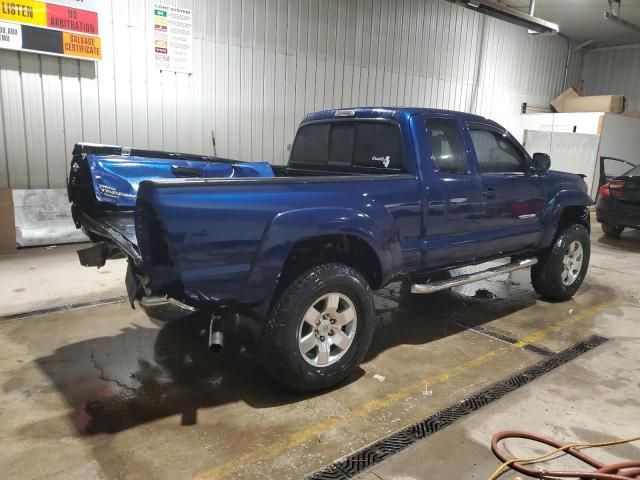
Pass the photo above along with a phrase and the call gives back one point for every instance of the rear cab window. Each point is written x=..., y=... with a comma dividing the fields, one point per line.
x=361, y=146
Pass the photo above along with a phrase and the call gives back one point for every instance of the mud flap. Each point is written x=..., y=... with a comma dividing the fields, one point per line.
x=132, y=285
x=94, y=256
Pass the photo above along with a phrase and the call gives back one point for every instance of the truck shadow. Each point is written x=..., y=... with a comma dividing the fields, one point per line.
x=142, y=374
x=412, y=319
x=629, y=241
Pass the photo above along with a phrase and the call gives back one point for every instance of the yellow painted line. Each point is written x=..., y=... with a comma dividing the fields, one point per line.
x=554, y=327
x=365, y=409
x=311, y=432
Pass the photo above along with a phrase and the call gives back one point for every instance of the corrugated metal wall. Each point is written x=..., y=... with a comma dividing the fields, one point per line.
x=259, y=66
x=612, y=71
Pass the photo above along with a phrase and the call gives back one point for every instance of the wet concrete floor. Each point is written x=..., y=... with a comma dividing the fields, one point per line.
x=104, y=393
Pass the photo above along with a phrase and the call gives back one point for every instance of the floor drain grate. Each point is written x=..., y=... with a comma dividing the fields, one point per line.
x=354, y=464
x=63, y=308
x=375, y=453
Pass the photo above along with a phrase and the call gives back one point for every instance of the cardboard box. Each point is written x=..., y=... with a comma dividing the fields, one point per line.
x=7, y=222
x=559, y=102
x=596, y=103
x=572, y=100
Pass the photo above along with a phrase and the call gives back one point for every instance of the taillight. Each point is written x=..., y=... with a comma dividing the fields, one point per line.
x=611, y=189
x=615, y=187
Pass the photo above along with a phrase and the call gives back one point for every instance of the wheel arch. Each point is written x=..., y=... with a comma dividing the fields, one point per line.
x=346, y=248
x=292, y=244
x=567, y=208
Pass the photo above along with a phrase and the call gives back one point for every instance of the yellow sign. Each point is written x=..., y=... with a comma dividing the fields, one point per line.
x=29, y=12
x=81, y=45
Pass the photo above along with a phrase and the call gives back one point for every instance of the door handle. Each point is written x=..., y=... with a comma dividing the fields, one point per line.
x=489, y=193
x=180, y=171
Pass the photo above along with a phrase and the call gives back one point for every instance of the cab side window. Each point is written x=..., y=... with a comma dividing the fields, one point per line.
x=495, y=152
x=447, y=149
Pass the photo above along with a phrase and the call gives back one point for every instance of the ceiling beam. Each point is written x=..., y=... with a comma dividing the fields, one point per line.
x=508, y=14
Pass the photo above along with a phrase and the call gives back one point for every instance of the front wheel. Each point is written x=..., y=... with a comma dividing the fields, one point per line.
x=319, y=329
x=612, y=230
x=561, y=270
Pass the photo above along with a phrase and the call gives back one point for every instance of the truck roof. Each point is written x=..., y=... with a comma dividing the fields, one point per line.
x=386, y=112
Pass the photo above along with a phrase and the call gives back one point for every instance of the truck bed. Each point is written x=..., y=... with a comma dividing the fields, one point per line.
x=105, y=179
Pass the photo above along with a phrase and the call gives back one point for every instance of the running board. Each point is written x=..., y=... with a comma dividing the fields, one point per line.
x=473, y=277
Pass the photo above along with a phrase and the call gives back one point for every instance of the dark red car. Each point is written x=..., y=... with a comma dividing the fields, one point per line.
x=618, y=205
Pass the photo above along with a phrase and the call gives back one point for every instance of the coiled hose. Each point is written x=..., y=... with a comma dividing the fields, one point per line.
x=616, y=471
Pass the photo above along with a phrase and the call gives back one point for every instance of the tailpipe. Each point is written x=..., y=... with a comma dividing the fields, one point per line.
x=216, y=337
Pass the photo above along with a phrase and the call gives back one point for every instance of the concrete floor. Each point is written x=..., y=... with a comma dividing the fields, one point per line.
x=48, y=277
x=104, y=393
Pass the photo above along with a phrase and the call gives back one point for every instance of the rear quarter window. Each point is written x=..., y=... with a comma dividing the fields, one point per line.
x=378, y=145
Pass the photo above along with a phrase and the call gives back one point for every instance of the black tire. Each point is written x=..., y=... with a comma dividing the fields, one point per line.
x=612, y=230
x=546, y=275
x=279, y=349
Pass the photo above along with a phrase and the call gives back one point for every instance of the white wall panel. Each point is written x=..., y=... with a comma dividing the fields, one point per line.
x=34, y=121
x=259, y=65
x=13, y=120
x=613, y=71
x=54, y=118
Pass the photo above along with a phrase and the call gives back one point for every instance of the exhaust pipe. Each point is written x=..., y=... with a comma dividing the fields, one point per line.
x=216, y=337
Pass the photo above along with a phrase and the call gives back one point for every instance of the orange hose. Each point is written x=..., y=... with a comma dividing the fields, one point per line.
x=617, y=471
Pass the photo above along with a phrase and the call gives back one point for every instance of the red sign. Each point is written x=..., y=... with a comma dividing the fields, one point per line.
x=72, y=19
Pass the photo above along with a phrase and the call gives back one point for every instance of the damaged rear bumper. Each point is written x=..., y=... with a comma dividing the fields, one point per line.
x=162, y=308
x=165, y=308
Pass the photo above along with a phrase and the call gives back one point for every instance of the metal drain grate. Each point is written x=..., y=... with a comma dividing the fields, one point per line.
x=368, y=456
x=64, y=308
x=374, y=453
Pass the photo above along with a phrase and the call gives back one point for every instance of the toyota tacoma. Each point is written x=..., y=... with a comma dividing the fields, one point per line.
x=292, y=254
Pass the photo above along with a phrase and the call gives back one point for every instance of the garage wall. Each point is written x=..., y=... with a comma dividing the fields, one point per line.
x=259, y=66
x=613, y=71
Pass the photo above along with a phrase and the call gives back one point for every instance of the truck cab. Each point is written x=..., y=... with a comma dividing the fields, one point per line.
x=479, y=193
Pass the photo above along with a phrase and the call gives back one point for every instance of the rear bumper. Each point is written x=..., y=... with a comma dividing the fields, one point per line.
x=622, y=218
x=164, y=308
x=157, y=307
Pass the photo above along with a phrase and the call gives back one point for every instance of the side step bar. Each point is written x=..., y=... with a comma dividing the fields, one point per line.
x=473, y=277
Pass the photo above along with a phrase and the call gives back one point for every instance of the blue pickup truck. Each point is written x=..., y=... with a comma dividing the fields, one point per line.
x=293, y=254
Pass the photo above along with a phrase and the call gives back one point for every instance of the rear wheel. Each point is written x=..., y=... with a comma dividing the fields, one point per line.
x=319, y=329
x=612, y=230
x=561, y=270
